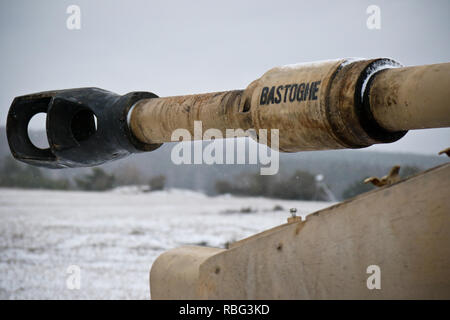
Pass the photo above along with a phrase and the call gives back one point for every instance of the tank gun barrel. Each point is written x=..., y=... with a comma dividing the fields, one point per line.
x=345, y=103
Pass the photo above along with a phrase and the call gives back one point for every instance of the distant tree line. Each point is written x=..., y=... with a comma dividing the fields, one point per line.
x=17, y=175
x=301, y=185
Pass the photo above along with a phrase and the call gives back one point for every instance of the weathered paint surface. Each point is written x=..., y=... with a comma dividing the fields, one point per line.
x=412, y=98
x=317, y=106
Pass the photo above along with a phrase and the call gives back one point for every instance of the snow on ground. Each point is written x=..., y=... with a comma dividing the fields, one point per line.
x=115, y=236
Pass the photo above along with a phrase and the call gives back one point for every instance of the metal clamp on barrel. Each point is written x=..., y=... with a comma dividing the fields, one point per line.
x=85, y=127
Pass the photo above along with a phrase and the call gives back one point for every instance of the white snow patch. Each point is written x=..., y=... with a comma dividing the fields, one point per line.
x=115, y=236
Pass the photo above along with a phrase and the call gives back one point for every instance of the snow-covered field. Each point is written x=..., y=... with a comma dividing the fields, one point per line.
x=115, y=236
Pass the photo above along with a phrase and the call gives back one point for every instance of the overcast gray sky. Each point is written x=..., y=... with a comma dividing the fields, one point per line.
x=183, y=47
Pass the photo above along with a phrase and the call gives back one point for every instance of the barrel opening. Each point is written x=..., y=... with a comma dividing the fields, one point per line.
x=37, y=132
x=83, y=124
